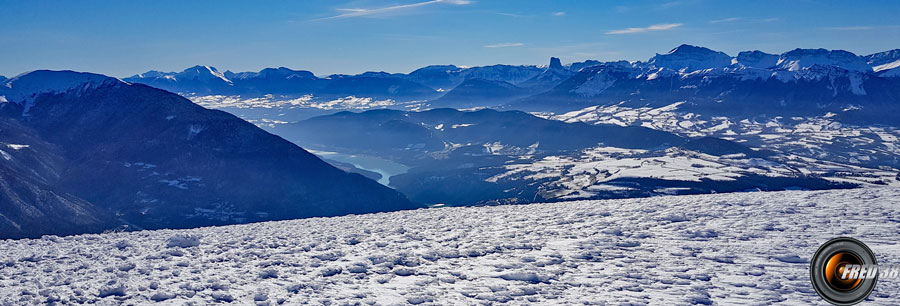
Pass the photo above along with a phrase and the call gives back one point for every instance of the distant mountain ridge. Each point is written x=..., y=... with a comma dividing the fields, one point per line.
x=685, y=57
x=801, y=82
x=848, y=78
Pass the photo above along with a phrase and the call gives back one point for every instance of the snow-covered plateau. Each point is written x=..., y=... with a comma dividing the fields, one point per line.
x=821, y=137
x=306, y=101
x=720, y=249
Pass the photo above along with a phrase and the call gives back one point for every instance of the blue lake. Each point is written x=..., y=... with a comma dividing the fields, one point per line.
x=386, y=168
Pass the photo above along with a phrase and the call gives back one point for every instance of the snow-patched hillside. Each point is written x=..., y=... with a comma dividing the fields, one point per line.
x=725, y=249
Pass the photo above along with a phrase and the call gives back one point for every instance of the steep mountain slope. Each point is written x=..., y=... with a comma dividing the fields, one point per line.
x=881, y=58
x=29, y=169
x=479, y=92
x=576, y=66
x=719, y=249
x=891, y=70
x=157, y=160
x=438, y=76
x=886, y=64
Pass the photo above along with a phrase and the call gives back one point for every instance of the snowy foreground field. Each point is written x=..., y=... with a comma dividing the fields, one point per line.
x=724, y=249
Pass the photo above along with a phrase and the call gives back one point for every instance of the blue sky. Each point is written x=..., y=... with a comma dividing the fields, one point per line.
x=121, y=38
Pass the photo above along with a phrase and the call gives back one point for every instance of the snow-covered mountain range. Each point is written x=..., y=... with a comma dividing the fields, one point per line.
x=684, y=61
x=803, y=119
x=800, y=82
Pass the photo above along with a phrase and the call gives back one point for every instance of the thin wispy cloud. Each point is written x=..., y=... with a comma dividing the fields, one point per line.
x=504, y=45
x=514, y=15
x=732, y=19
x=671, y=4
x=559, y=14
x=742, y=20
x=372, y=12
x=861, y=28
x=410, y=37
x=851, y=28
x=655, y=27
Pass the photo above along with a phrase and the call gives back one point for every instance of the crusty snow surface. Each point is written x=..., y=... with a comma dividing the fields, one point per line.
x=723, y=249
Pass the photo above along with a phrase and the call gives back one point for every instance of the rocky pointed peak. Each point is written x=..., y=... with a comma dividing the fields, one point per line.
x=202, y=73
x=199, y=69
x=551, y=76
x=555, y=63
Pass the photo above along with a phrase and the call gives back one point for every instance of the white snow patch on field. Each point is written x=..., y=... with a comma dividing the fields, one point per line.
x=819, y=137
x=16, y=146
x=724, y=249
x=461, y=125
x=272, y=101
